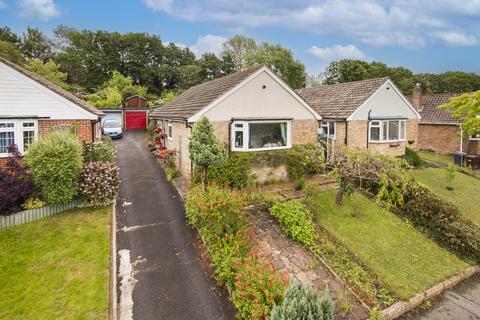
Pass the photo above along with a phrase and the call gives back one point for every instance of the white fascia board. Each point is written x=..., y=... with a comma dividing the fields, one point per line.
x=199, y=114
x=387, y=82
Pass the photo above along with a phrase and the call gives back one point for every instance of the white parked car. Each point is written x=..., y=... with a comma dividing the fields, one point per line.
x=112, y=128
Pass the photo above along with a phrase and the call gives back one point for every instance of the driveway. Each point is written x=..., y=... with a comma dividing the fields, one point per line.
x=460, y=303
x=160, y=274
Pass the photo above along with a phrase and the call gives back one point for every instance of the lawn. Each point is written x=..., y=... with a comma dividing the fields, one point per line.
x=464, y=193
x=405, y=260
x=445, y=159
x=56, y=268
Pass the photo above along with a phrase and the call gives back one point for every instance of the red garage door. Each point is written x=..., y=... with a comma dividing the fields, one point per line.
x=135, y=120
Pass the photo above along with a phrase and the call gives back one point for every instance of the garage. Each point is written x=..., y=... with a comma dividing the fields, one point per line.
x=135, y=120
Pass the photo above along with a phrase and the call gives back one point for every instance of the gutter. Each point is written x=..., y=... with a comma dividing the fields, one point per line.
x=368, y=124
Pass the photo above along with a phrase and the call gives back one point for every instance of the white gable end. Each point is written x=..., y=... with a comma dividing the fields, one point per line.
x=386, y=102
x=261, y=96
x=22, y=96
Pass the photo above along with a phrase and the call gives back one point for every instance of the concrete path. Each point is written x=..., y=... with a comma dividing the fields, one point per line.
x=160, y=275
x=459, y=303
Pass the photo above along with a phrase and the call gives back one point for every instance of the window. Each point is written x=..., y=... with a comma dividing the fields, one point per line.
x=475, y=137
x=19, y=132
x=260, y=135
x=386, y=130
x=327, y=129
x=170, y=130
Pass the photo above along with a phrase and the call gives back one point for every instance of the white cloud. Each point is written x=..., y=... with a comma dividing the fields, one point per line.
x=337, y=52
x=455, y=39
x=401, y=23
x=38, y=9
x=208, y=43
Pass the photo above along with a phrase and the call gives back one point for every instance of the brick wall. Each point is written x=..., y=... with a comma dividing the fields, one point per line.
x=440, y=138
x=83, y=128
x=304, y=131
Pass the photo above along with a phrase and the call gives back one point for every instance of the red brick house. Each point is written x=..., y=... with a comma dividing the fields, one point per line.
x=438, y=130
x=32, y=106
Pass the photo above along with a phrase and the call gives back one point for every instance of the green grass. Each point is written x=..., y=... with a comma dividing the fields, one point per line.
x=405, y=260
x=445, y=159
x=56, y=268
x=464, y=193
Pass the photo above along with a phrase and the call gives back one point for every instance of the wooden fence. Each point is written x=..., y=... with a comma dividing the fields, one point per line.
x=34, y=214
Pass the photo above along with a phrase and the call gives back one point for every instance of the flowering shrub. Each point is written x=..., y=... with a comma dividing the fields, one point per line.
x=103, y=150
x=16, y=183
x=99, y=183
x=168, y=156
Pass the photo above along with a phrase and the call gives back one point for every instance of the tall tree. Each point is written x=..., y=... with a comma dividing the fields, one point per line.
x=346, y=71
x=213, y=67
x=238, y=48
x=204, y=148
x=281, y=61
x=36, y=45
x=49, y=70
x=189, y=76
x=6, y=34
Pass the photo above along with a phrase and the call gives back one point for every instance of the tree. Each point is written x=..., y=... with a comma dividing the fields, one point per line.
x=6, y=34
x=204, y=148
x=114, y=91
x=36, y=45
x=237, y=49
x=49, y=71
x=466, y=108
x=10, y=52
x=346, y=71
x=213, y=67
x=313, y=81
x=281, y=61
x=189, y=76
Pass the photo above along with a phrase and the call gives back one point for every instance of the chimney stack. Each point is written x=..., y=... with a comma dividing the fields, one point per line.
x=417, y=102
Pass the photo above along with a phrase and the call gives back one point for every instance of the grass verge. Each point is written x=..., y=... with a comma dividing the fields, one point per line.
x=445, y=159
x=57, y=267
x=405, y=260
x=463, y=195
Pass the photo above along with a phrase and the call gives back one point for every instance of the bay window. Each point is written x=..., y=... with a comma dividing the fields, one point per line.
x=386, y=130
x=19, y=132
x=260, y=135
x=327, y=130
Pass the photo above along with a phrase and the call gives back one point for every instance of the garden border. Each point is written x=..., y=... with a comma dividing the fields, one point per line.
x=30, y=215
x=402, y=307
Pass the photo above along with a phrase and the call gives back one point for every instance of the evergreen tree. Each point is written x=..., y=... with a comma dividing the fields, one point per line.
x=204, y=148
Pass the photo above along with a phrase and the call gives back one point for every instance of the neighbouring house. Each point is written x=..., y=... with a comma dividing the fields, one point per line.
x=438, y=130
x=370, y=114
x=32, y=106
x=251, y=110
x=132, y=114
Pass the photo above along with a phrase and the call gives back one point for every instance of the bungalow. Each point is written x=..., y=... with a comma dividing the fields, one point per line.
x=438, y=130
x=32, y=106
x=251, y=110
x=370, y=114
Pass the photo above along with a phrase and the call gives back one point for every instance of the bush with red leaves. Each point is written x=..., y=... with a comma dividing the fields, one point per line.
x=16, y=183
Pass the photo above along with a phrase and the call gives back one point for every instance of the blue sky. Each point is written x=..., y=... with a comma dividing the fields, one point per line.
x=425, y=36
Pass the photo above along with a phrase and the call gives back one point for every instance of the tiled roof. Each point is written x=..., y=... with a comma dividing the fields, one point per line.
x=198, y=97
x=430, y=112
x=339, y=101
x=53, y=87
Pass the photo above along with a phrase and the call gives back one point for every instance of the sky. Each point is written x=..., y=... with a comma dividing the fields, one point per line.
x=422, y=35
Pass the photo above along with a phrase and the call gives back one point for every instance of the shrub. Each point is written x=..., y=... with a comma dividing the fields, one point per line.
x=267, y=200
x=103, y=150
x=33, y=203
x=303, y=303
x=233, y=172
x=258, y=288
x=56, y=161
x=305, y=160
x=99, y=183
x=213, y=206
x=168, y=156
x=412, y=157
x=442, y=220
x=297, y=222
x=171, y=173
x=450, y=172
x=16, y=183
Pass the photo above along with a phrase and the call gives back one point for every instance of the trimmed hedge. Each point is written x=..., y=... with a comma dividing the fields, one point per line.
x=233, y=172
x=305, y=160
x=442, y=220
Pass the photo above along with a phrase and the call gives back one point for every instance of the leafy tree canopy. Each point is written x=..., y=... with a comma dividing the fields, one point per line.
x=467, y=108
x=280, y=60
x=10, y=52
x=49, y=70
x=36, y=45
x=237, y=48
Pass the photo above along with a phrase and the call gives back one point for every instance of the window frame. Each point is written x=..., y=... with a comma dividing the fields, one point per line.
x=326, y=123
x=384, y=128
x=18, y=130
x=246, y=135
x=169, y=130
